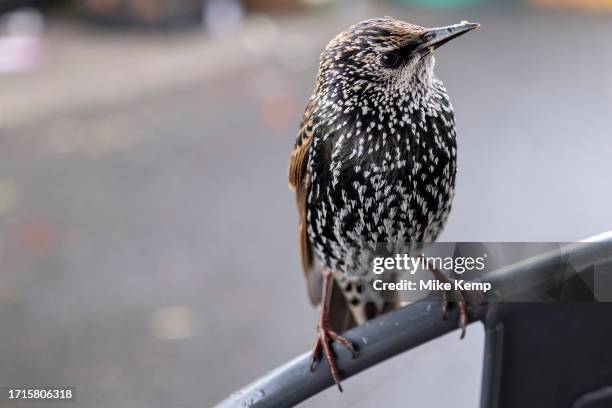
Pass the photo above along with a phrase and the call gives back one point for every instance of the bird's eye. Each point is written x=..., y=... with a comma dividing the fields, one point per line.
x=390, y=60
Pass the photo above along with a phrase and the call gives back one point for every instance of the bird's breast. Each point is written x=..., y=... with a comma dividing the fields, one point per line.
x=388, y=184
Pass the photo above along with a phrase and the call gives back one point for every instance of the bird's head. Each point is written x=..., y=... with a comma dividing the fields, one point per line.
x=383, y=54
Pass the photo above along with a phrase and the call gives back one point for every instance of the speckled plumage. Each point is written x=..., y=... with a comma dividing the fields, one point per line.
x=376, y=156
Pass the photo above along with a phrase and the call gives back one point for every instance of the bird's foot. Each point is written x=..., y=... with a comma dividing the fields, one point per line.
x=459, y=298
x=322, y=345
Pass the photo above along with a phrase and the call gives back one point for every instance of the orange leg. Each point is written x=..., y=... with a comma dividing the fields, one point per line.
x=459, y=298
x=325, y=334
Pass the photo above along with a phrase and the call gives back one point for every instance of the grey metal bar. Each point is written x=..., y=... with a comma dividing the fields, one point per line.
x=409, y=327
x=492, y=358
x=375, y=341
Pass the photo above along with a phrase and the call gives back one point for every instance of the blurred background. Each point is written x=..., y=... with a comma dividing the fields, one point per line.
x=148, y=249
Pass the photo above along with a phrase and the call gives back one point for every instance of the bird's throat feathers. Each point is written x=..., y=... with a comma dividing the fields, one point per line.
x=363, y=124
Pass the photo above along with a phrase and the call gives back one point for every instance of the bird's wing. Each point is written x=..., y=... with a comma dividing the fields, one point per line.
x=340, y=316
x=299, y=180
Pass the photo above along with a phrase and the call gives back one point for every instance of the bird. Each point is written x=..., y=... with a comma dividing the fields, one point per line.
x=375, y=160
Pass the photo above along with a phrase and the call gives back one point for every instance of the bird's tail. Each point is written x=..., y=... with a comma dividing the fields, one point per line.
x=343, y=315
x=340, y=315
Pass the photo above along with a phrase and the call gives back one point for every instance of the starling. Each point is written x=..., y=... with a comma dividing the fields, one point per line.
x=374, y=161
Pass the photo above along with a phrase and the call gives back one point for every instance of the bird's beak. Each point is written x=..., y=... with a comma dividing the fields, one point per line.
x=433, y=38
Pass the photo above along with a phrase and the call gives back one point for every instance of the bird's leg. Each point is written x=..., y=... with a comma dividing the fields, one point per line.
x=325, y=334
x=459, y=298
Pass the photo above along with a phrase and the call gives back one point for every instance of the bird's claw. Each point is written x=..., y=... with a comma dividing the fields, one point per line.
x=459, y=298
x=462, y=305
x=322, y=345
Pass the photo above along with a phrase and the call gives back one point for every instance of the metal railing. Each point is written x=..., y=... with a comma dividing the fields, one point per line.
x=420, y=322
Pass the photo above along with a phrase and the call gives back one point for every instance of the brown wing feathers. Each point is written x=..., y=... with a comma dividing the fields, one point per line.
x=299, y=180
x=339, y=314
